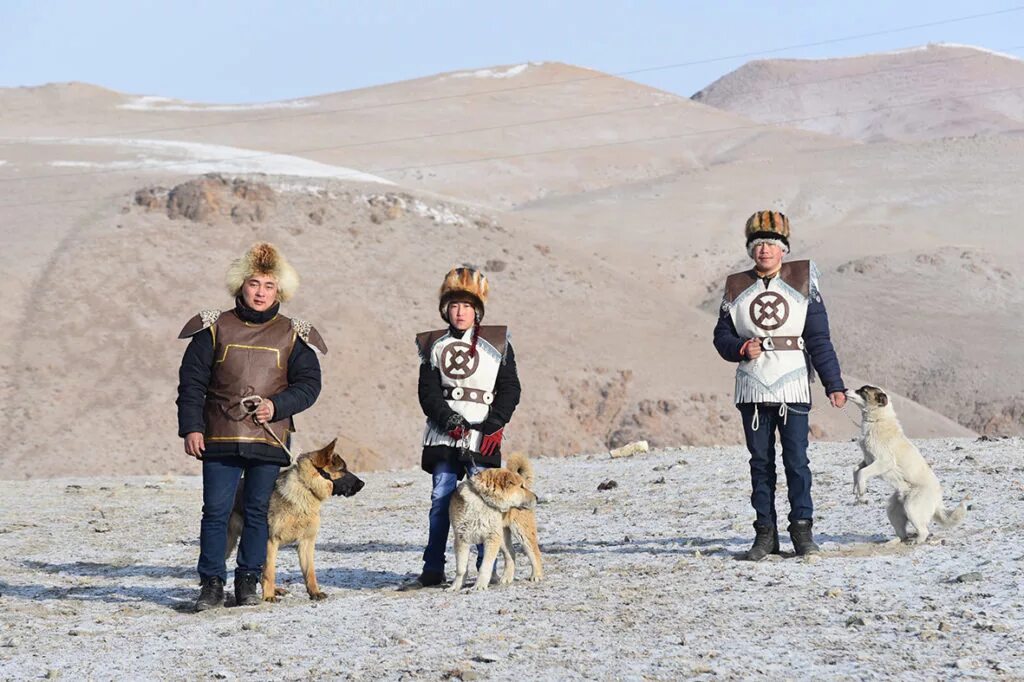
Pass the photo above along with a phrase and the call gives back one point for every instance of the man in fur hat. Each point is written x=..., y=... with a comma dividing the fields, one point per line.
x=772, y=320
x=468, y=390
x=250, y=350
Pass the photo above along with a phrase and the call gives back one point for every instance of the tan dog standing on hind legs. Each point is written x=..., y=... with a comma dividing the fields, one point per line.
x=294, y=513
x=495, y=507
x=890, y=454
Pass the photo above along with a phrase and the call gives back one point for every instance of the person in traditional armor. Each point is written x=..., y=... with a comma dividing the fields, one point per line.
x=468, y=390
x=245, y=373
x=773, y=323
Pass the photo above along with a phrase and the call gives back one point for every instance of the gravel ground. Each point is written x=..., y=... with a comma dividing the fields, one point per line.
x=642, y=582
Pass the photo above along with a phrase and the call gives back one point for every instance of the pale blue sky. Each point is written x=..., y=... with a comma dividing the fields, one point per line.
x=256, y=50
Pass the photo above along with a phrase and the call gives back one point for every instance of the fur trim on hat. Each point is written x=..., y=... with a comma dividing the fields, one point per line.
x=463, y=284
x=263, y=258
x=767, y=225
x=765, y=240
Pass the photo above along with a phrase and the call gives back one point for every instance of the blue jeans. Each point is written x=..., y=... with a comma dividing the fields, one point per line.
x=761, y=445
x=220, y=480
x=445, y=479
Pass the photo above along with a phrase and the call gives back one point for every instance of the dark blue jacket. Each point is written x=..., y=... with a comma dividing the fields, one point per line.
x=817, y=343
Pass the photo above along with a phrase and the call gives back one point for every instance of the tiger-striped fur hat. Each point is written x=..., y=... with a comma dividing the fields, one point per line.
x=464, y=285
x=767, y=226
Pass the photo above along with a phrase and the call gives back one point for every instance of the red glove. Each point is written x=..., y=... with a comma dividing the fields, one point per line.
x=458, y=432
x=490, y=443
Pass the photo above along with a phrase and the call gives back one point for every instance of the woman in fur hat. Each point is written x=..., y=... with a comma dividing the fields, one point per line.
x=772, y=321
x=468, y=390
x=250, y=350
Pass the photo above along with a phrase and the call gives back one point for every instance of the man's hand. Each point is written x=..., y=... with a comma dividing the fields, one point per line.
x=752, y=349
x=265, y=412
x=195, y=444
x=838, y=398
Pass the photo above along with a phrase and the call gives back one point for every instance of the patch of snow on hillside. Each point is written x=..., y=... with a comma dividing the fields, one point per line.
x=207, y=158
x=152, y=103
x=510, y=72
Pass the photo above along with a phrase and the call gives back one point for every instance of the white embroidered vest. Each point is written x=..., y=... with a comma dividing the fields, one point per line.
x=467, y=381
x=775, y=314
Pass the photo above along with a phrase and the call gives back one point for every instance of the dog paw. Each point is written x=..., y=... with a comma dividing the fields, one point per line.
x=479, y=587
x=272, y=599
x=535, y=578
x=318, y=596
x=453, y=588
x=280, y=592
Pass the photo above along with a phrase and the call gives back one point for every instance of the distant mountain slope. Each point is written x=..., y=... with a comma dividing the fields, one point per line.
x=500, y=136
x=916, y=94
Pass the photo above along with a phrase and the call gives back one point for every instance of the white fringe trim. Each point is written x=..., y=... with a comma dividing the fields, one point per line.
x=434, y=436
x=791, y=388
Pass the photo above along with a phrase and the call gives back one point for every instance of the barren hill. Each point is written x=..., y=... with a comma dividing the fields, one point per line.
x=473, y=134
x=606, y=261
x=915, y=94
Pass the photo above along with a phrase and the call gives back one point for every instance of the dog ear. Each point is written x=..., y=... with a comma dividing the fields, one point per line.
x=322, y=457
x=508, y=480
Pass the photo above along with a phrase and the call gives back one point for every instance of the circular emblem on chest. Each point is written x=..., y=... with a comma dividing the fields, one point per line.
x=769, y=310
x=457, y=362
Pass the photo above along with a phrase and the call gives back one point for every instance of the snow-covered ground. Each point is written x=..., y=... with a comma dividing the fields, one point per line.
x=642, y=582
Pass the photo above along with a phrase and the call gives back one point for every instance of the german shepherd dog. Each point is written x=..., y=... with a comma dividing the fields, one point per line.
x=491, y=508
x=294, y=513
x=888, y=453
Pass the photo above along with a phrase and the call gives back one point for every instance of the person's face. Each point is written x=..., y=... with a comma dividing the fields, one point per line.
x=462, y=315
x=767, y=257
x=259, y=292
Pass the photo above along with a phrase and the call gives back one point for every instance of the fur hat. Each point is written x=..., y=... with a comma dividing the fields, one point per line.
x=767, y=226
x=465, y=285
x=263, y=258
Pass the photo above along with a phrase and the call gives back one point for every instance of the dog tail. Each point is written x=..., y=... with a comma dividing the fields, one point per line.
x=519, y=463
x=947, y=518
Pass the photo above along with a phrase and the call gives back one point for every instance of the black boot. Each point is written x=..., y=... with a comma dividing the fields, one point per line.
x=424, y=579
x=803, y=540
x=245, y=589
x=211, y=593
x=765, y=542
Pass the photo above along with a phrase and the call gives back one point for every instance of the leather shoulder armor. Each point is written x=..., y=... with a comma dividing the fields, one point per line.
x=308, y=333
x=204, y=320
x=797, y=274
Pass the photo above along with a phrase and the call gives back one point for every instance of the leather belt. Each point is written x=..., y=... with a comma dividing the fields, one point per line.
x=782, y=343
x=468, y=395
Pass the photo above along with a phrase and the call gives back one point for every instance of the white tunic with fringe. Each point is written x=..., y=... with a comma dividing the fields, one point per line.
x=776, y=314
x=467, y=381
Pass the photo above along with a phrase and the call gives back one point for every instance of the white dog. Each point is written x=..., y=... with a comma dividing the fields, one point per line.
x=890, y=454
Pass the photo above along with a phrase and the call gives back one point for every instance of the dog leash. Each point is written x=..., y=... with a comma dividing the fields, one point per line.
x=252, y=403
x=465, y=450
